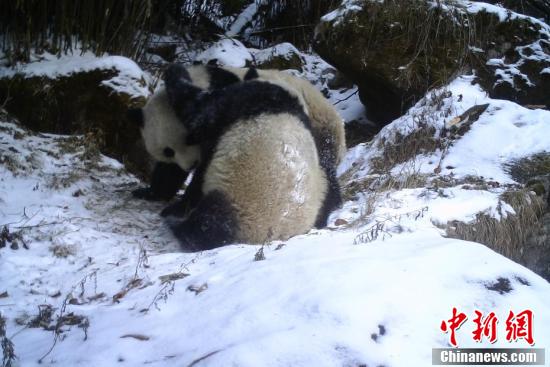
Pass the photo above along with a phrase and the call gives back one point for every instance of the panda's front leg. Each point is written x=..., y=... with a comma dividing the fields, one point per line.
x=190, y=199
x=166, y=180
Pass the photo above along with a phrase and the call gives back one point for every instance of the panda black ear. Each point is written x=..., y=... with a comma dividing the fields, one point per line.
x=176, y=73
x=251, y=74
x=135, y=116
x=178, y=86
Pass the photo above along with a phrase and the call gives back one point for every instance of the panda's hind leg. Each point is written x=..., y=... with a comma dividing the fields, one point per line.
x=333, y=197
x=212, y=224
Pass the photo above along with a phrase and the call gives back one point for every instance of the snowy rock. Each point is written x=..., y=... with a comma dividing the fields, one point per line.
x=80, y=94
x=226, y=52
x=281, y=57
x=536, y=8
x=396, y=51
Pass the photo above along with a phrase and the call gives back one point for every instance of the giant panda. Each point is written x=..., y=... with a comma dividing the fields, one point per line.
x=257, y=171
x=327, y=126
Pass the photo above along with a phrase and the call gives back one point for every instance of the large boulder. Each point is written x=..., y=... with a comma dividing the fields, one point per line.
x=396, y=50
x=80, y=94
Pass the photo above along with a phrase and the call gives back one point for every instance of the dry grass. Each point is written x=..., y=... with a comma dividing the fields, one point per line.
x=508, y=235
x=385, y=227
x=382, y=183
x=423, y=138
x=8, y=349
x=404, y=148
x=62, y=251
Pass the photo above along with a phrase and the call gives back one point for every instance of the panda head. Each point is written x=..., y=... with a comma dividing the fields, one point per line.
x=163, y=132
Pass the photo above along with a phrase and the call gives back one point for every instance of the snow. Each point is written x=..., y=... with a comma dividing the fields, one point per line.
x=228, y=52
x=504, y=14
x=506, y=131
x=130, y=79
x=244, y=18
x=346, y=7
x=345, y=100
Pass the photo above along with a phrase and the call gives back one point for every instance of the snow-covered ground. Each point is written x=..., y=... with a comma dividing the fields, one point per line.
x=90, y=276
x=371, y=292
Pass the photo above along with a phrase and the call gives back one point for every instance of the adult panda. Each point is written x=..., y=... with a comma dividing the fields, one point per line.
x=326, y=125
x=258, y=175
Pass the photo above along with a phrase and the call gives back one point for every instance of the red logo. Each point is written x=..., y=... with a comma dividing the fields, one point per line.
x=518, y=326
x=485, y=327
x=453, y=324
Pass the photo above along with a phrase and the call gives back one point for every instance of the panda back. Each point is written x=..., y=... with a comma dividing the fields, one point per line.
x=268, y=168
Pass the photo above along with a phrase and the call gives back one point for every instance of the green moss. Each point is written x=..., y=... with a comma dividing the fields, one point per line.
x=537, y=186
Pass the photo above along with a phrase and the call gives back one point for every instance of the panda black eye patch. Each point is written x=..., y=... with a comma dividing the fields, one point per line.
x=169, y=152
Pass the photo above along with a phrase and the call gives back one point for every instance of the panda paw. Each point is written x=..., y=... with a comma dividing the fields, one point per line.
x=146, y=193
x=178, y=209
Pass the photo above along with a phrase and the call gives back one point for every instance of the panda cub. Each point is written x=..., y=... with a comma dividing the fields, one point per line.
x=326, y=125
x=257, y=172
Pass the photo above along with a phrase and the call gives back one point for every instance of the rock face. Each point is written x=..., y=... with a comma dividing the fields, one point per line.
x=397, y=50
x=534, y=173
x=92, y=97
x=535, y=8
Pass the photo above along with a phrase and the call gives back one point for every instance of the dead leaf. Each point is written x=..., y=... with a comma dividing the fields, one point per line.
x=136, y=336
x=197, y=289
x=340, y=222
x=172, y=277
x=117, y=297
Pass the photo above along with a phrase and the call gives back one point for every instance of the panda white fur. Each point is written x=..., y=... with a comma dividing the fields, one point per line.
x=258, y=175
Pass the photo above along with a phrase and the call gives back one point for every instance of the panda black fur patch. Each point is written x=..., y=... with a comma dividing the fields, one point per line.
x=220, y=109
x=168, y=152
x=135, y=115
x=220, y=78
x=166, y=180
x=251, y=74
x=333, y=197
x=213, y=223
x=176, y=72
x=191, y=197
